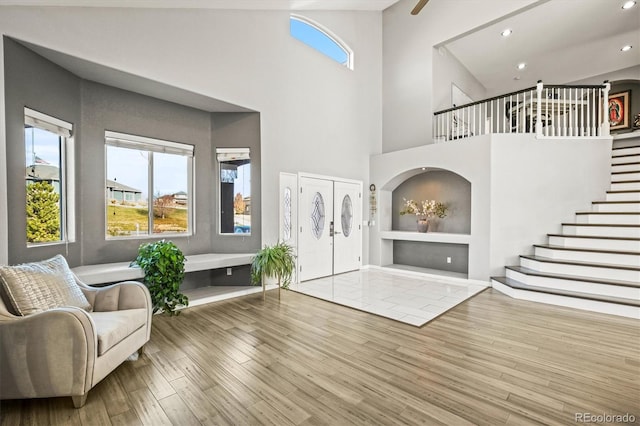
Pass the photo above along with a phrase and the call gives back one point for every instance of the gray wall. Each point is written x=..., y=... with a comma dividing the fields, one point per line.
x=432, y=255
x=33, y=81
x=237, y=130
x=439, y=185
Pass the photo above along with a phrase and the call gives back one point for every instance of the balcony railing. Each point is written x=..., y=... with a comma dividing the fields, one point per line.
x=548, y=111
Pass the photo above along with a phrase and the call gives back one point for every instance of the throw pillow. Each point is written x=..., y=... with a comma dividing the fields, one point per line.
x=40, y=286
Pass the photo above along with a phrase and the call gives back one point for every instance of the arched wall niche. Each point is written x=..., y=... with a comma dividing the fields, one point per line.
x=434, y=184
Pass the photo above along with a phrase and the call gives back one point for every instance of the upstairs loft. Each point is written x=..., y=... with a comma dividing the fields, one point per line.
x=548, y=111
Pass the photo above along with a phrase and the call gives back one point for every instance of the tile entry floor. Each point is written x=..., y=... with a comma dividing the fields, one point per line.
x=409, y=297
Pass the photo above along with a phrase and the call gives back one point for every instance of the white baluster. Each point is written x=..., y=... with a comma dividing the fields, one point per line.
x=605, y=109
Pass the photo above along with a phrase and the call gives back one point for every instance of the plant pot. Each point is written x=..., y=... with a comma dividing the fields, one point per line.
x=423, y=225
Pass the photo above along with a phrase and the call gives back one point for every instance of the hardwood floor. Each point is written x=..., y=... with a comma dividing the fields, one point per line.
x=491, y=360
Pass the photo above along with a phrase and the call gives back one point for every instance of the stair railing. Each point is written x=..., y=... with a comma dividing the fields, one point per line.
x=553, y=111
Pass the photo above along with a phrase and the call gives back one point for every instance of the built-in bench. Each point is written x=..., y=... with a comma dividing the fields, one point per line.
x=121, y=271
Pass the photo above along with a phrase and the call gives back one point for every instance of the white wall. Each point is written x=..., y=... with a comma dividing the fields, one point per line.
x=448, y=70
x=316, y=116
x=408, y=87
x=521, y=189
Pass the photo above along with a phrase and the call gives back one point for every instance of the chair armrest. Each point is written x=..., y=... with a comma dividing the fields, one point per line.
x=115, y=297
x=50, y=353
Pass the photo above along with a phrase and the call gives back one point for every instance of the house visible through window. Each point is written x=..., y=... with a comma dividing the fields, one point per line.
x=321, y=39
x=49, y=179
x=235, y=190
x=148, y=186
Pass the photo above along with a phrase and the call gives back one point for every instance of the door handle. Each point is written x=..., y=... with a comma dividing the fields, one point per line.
x=336, y=233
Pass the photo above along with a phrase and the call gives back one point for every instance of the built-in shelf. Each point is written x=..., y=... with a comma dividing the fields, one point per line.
x=428, y=237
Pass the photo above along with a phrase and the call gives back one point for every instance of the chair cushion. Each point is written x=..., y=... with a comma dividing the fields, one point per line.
x=40, y=286
x=113, y=327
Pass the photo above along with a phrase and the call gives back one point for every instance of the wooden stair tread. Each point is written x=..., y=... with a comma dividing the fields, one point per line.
x=624, y=173
x=627, y=164
x=603, y=213
x=579, y=263
x=594, y=237
x=616, y=202
x=609, y=225
x=594, y=280
x=624, y=155
x=625, y=191
x=587, y=250
x=626, y=181
x=625, y=147
x=510, y=282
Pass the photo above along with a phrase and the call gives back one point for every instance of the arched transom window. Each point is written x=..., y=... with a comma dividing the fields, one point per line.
x=321, y=39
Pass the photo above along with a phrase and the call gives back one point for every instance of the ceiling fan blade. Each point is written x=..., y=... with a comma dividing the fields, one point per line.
x=419, y=7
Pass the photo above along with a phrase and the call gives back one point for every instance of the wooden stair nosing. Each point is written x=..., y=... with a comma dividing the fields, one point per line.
x=579, y=263
x=616, y=202
x=624, y=191
x=532, y=272
x=586, y=250
x=624, y=155
x=627, y=181
x=625, y=147
x=509, y=282
x=606, y=225
x=626, y=164
x=597, y=237
x=624, y=173
x=603, y=213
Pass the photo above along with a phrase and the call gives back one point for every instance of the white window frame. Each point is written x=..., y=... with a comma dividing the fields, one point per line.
x=67, y=172
x=337, y=40
x=151, y=145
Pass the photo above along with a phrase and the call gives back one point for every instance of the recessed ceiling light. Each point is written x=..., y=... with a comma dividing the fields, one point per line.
x=628, y=4
x=626, y=48
x=521, y=66
x=506, y=33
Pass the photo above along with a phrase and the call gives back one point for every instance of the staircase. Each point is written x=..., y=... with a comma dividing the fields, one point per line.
x=594, y=264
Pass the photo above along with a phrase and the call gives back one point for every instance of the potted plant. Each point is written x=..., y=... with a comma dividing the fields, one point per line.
x=424, y=210
x=277, y=261
x=163, y=266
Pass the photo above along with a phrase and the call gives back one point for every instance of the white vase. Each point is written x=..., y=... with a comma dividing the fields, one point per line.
x=423, y=225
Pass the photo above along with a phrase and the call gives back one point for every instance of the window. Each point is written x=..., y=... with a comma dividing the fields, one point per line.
x=235, y=190
x=149, y=186
x=321, y=39
x=49, y=179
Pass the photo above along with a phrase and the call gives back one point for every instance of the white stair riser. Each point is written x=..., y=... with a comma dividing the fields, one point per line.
x=632, y=293
x=627, y=151
x=625, y=176
x=570, y=302
x=609, y=219
x=617, y=207
x=587, y=256
x=625, y=186
x=625, y=167
x=623, y=196
x=629, y=159
x=601, y=231
x=595, y=243
x=581, y=270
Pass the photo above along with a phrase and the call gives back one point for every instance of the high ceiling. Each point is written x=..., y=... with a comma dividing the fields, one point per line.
x=561, y=41
x=216, y=4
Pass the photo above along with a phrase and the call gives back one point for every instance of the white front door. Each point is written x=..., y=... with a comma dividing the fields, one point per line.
x=315, y=249
x=347, y=241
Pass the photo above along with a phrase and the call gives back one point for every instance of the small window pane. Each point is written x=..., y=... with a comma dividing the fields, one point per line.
x=317, y=215
x=44, y=179
x=127, y=183
x=170, y=193
x=235, y=191
x=346, y=216
x=287, y=214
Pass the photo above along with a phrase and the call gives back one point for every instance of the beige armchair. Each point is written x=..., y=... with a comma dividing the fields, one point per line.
x=65, y=351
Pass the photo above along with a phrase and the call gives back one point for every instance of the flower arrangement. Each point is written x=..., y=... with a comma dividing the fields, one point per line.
x=425, y=208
